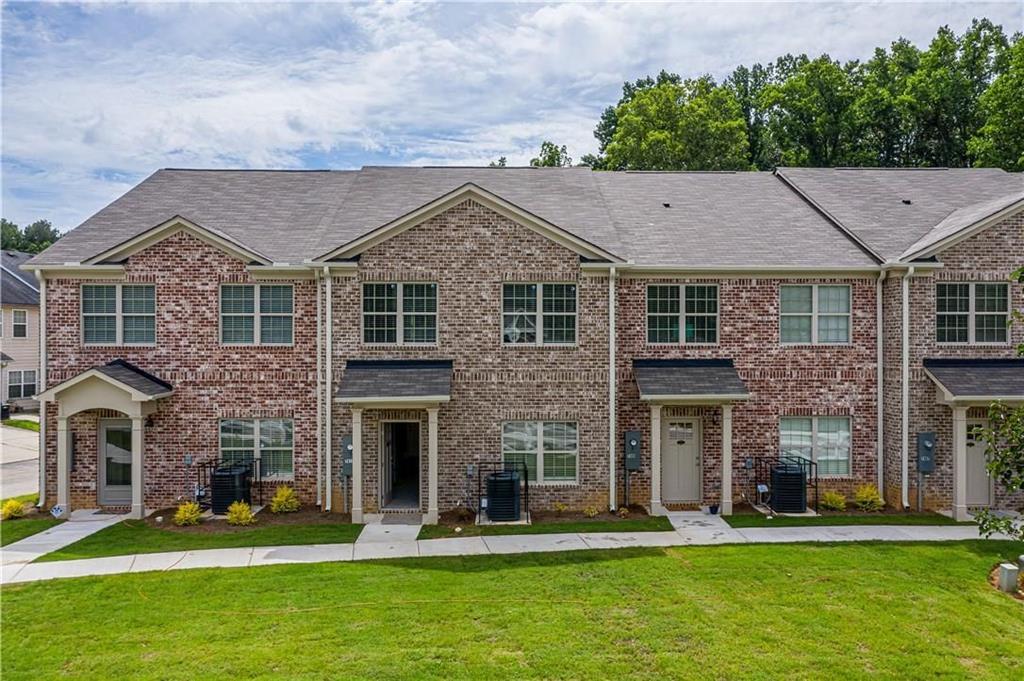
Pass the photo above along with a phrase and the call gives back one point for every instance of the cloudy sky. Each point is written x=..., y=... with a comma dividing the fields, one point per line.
x=97, y=96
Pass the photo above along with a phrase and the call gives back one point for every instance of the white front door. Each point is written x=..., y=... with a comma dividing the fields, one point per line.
x=680, y=460
x=979, y=484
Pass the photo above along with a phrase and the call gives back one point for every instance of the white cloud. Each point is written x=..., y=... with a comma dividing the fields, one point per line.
x=96, y=97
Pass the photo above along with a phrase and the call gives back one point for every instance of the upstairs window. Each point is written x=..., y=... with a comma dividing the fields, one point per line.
x=817, y=314
x=538, y=314
x=19, y=325
x=688, y=313
x=972, y=313
x=256, y=311
x=119, y=314
x=400, y=313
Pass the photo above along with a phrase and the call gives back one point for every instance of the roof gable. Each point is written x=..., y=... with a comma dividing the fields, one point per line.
x=964, y=223
x=173, y=226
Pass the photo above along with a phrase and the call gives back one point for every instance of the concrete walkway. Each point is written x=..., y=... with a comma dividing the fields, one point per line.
x=399, y=541
x=19, y=461
x=81, y=524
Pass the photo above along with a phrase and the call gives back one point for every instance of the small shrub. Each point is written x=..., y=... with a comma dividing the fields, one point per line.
x=833, y=501
x=560, y=508
x=188, y=513
x=623, y=512
x=12, y=509
x=239, y=513
x=867, y=498
x=590, y=511
x=285, y=500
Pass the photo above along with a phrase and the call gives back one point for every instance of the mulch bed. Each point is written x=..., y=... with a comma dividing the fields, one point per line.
x=463, y=516
x=993, y=580
x=264, y=518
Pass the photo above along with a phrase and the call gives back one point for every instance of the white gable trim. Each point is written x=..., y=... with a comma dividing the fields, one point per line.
x=483, y=197
x=136, y=395
x=966, y=232
x=172, y=227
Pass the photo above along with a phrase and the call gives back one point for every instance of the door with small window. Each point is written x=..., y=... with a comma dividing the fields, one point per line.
x=115, y=449
x=680, y=461
x=979, y=484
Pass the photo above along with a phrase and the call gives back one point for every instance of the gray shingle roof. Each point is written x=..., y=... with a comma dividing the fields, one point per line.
x=134, y=377
x=681, y=378
x=984, y=378
x=395, y=379
x=17, y=287
x=962, y=218
x=870, y=202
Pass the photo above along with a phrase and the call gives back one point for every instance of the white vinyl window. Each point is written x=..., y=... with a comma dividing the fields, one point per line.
x=21, y=384
x=119, y=314
x=692, y=308
x=256, y=311
x=975, y=313
x=269, y=441
x=822, y=439
x=554, y=316
x=400, y=313
x=814, y=314
x=19, y=324
x=550, y=449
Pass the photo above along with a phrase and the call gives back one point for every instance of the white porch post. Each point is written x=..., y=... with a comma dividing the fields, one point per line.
x=357, y=465
x=960, y=463
x=656, y=507
x=726, y=508
x=138, y=498
x=63, y=466
x=432, y=507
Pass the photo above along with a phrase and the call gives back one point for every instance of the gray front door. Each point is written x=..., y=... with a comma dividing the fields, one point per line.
x=680, y=460
x=115, y=455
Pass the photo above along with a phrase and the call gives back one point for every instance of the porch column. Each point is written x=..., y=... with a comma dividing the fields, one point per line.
x=357, y=465
x=138, y=503
x=726, y=506
x=431, y=466
x=656, y=507
x=63, y=466
x=960, y=464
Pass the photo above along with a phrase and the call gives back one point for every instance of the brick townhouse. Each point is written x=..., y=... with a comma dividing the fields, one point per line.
x=426, y=323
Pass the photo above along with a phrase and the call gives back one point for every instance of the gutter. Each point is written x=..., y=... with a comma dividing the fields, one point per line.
x=329, y=380
x=879, y=386
x=612, y=426
x=41, y=386
x=905, y=396
x=319, y=392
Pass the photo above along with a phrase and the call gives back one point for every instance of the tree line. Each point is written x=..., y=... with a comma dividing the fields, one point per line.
x=958, y=103
x=33, y=238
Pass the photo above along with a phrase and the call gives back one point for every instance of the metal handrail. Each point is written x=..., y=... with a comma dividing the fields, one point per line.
x=762, y=474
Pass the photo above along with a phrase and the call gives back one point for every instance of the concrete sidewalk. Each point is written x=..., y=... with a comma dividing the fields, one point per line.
x=81, y=524
x=399, y=541
x=19, y=461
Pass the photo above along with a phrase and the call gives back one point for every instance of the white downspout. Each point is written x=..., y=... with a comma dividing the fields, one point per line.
x=879, y=378
x=319, y=391
x=612, y=426
x=329, y=380
x=41, y=386
x=905, y=371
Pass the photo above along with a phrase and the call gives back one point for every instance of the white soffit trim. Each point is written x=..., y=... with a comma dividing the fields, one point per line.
x=815, y=271
x=422, y=401
x=965, y=233
x=694, y=399
x=484, y=197
x=173, y=226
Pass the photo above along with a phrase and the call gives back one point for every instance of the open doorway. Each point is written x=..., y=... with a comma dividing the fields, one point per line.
x=400, y=465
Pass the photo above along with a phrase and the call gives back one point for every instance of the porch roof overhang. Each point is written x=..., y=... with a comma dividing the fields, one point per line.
x=130, y=384
x=387, y=383
x=976, y=382
x=689, y=381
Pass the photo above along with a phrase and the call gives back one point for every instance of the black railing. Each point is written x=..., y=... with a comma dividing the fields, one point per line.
x=763, y=466
x=202, y=493
x=485, y=468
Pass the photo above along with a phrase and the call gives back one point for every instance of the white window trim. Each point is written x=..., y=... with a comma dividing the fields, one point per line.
x=539, y=451
x=257, y=452
x=814, y=442
x=118, y=317
x=255, y=314
x=681, y=315
x=972, y=314
x=21, y=382
x=539, y=315
x=815, y=314
x=399, y=315
x=15, y=324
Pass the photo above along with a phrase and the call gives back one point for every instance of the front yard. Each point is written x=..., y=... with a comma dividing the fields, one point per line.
x=34, y=522
x=547, y=523
x=756, y=611
x=751, y=518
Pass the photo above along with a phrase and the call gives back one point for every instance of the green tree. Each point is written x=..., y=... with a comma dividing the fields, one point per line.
x=551, y=156
x=608, y=123
x=500, y=163
x=1000, y=141
x=696, y=125
x=882, y=109
x=748, y=86
x=33, y=239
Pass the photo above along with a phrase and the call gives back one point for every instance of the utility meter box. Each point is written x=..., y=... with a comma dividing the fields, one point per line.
x=926, y=452
x=346, y=456
x=632, y=450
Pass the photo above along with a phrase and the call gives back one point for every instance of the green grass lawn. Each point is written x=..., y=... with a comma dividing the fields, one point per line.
x=26, y=424
x=135, y=536
x=647, y=524
x=19, y=528
x=759, y=520
x=760, y=612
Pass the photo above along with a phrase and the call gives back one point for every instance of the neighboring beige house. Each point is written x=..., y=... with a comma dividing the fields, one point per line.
x=19, y=333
